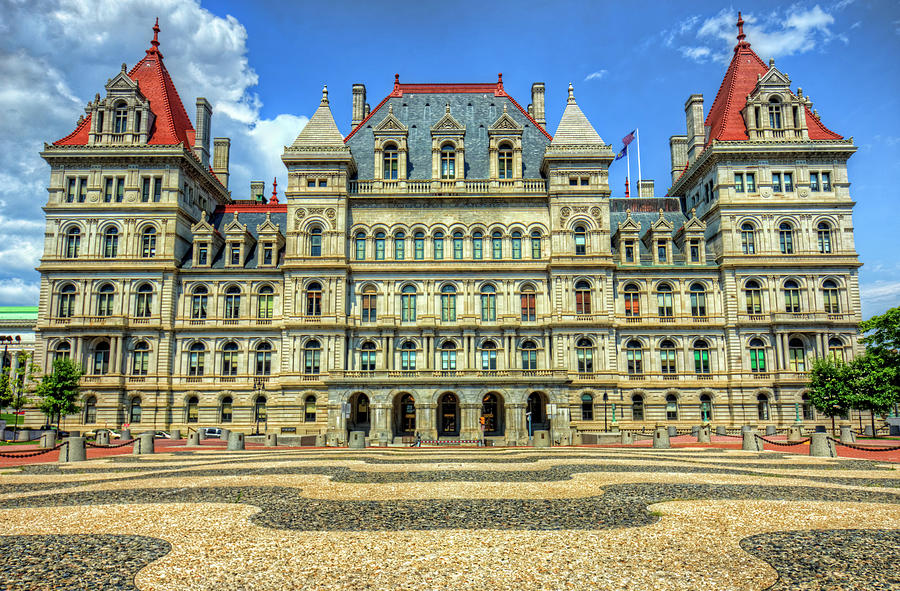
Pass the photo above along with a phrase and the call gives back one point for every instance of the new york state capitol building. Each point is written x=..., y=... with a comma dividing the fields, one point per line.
x=447, y=259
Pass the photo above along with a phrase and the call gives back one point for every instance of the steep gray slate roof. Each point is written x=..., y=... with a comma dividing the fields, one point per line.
x=420, y=111
x=320, y=131
x=574, y=128
x=220, y=219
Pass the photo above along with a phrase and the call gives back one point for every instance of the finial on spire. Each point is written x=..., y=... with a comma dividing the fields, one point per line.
x=771, y=62
x=155, y=42
x=571, y=93
x=447, y=108
x=324, y=95
x=274, y=199
x=396, y=79
x=124, y=66
x=741, y=36
x=500, y=81
x=391, y=109
x=504, y=107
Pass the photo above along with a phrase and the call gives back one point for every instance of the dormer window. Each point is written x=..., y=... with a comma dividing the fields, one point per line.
x=391, y=161
x=629, y=251
x=268, y=252
x=662, y=251
x=774, y=113
x=505, y=161
x=234, y=253
x=121, y=118
x=694, y=250
x=448, y=161
x=202, y=254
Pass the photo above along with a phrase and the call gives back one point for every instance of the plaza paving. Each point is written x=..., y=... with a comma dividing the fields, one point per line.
x=561, y=518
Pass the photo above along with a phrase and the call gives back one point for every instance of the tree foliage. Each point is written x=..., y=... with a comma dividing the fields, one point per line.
x=830, y=386
x=882, y=333
x=59, y=390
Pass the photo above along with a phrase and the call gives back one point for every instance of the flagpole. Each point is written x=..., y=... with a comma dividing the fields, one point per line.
x=637, y=136
x=628, y=163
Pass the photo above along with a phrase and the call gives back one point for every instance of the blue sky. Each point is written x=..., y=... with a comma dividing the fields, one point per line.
x=262, y=64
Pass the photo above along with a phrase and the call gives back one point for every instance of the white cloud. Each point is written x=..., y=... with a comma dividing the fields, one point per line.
x=16, y=292
x=878, y=296
x=595, y=75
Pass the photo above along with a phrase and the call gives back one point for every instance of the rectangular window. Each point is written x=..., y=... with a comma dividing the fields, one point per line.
x=788, y=182
x=826, y=181
x=573, y=181
x=369, y=311
x=488, y=359
x=157, y=189
x=585, y=181
x=82, y=189
x=323, y=182
x=776, y=182
x=234, y=253
x=629, y=251
x=695, y=251
x=448, y=360
x=516, y=247
x=70, y=191
x=408, y=360
x=497, y=247
x=488, y=307
x=399, y=248
x=408, y=308
x=311, y=183
x=528, y=307
x=448, y=307
x=738, y=182
x=268, y=254
x=661, y=251
x=202, y=254
x=751, y=182
x=701, y=361
x=420, y=248
x=145, y=190
x=265, y=306
x=360, y=248
x=529, y=359
x=477, y=243
x=438, y=248
x=457, y=248
x=108, y=191
x=120, y=189
x=535, y=247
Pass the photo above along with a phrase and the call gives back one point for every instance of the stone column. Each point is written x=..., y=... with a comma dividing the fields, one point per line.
x=381, y=432
x=470, y=428
x=426, y=423
x=512, y=426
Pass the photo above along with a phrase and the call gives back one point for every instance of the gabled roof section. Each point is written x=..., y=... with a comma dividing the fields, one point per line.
x=506, y=123
x=391, y=123
x=448, y=123
x=574, y=128
x=321, y=131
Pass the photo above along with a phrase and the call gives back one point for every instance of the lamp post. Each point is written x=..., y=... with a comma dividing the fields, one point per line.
x=260, y=388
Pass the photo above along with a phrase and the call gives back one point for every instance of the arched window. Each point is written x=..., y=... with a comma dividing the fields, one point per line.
x=584, y=350
x=399, y=246
x=748, y=239
x=391, y=162
x=265, y=302
x=193, y=410
x=120, y=118
x=314, y=299
x=706, y=408
x=419, y=246
x=753, y=295
x=67, y=301
x=529, y=356
x=458, y=245
x=448, y=161
x=536, y=408
x=667, y=357
x=438, y=246
x=360, y=242
x=698, y=300
x=488, y=303
x=448, y=303
x=477, y=246
x=101, y=358
x=830, y=296
x=701, y=357
x=230, y=359
x=135, y=411
x=312, y=353
x=665, y=301
x=90, y=410
x=535, y=245
x=264, y=359
x=587, y=407
x=199, y=297
x=809, y=413
x=226, y=409
x=582, y=297
x=73, y=243
x=634, y=354
x=309, y=409
x=762, y=407
x=786, y=238
x=448, y=421
x=259, y=410
x=105, y=300
x=637, y=408
x=517, y=245
x=632, y=300
x=580, y=240
x=408, y=356
x=369, y=304
x=671, y=407
x=140, y=359
x=196, y=359
x=757, y=356
x=774, y=113
x=233, y=302
x=448, y=356
x=492, y=413
x=791, y=296
x=148, y=243
x=111, y=243
x=496, y=245
x=408, y=304
x=488, y=356
x=505, y=161
x=315, y=242
x=367, y=357
x=796, y=355
x=63, y=351
x=143, y=301
x=528, y=299
x=836, y=349
x=823, y=232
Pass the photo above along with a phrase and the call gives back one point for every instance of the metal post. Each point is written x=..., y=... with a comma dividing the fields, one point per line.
x=605, y=408
x=797, y=412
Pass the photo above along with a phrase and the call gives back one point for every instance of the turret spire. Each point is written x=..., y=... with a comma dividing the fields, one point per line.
x=155, y=42
x=274, y=199
x=741, y=36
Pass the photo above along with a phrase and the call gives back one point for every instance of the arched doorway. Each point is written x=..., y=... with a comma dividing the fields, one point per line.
x=492, y=412
x=405, y=415
x=448, y=415
x=359, y=413
x=537, y=410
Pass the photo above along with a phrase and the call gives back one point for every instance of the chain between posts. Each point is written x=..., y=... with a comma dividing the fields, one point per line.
x=129, y=442
x=861, y=448
x=790, y=444
x=31, y=454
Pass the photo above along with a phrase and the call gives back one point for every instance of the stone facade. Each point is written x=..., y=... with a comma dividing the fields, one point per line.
x=446, y=262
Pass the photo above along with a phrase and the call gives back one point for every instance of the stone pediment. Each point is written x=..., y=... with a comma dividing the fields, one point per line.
x=773, y=80
x=203, y=226
x=662, y=224
x=505, y=124
x=390, y=124
x=448, y=125
x=630, y=224
x=235, y=226
x=268, y=226
x=121, y=82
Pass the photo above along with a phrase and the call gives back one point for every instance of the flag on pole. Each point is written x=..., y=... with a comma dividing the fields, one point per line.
x=625, y=141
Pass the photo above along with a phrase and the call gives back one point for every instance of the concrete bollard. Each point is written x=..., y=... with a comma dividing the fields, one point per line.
x=661, y=438
x=703, y=434
x=721, y=430
x=48, y=440
x=770, y=430
x=357, y=440
x=751, y=443
x=23, y=435
x=795, y=434
x=821, y=446
x=235, y=441
x=746, y=428
x=102, y=438
x=201, y=433
x=193, y=439
x=126, y=435
x=226, y=433
x=868, y=431
x=175, y=434
x=577, y=439
x=271, y=440
x=73, y=450
x=847, y=435
x=672, y=431
x=542, y=438
x=144, y=444
x=320, y=440
x=694, y=430
x=627, y=438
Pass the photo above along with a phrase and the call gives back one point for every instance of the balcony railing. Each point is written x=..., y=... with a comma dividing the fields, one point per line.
x=426, y=187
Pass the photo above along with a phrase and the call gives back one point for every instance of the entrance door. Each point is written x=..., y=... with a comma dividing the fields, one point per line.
x=359, y=413
x=405, y=416
x=492, y=412
x=537, y=406
x=448, y=416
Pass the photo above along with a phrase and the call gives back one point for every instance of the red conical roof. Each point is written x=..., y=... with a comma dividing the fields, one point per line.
x=172, y=125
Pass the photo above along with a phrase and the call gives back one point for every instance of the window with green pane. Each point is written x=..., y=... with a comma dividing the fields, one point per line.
x=457, y=245
x=488, y=303
x=448, y=303
x=701, y=357
x=408, y=304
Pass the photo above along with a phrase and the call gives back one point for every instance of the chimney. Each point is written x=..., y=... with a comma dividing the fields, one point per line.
x=257, y=190
x=201, y=135
x=645, y=189
x=696, y=135
x=221, y=154
x=537, y=102
x=678, y=148
x=359, y=104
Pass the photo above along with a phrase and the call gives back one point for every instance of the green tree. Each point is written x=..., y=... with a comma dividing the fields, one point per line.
x=879, y=374
x=830, y=387
x=874, y=384
x=59, y=390
x=883, y=332
x=13, y=385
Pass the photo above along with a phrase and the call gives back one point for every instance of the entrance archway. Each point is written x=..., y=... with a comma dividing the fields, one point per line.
x=448, y=415
x=360, y=413
x=537, y=406
x=404, y=415
x=492, y=412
